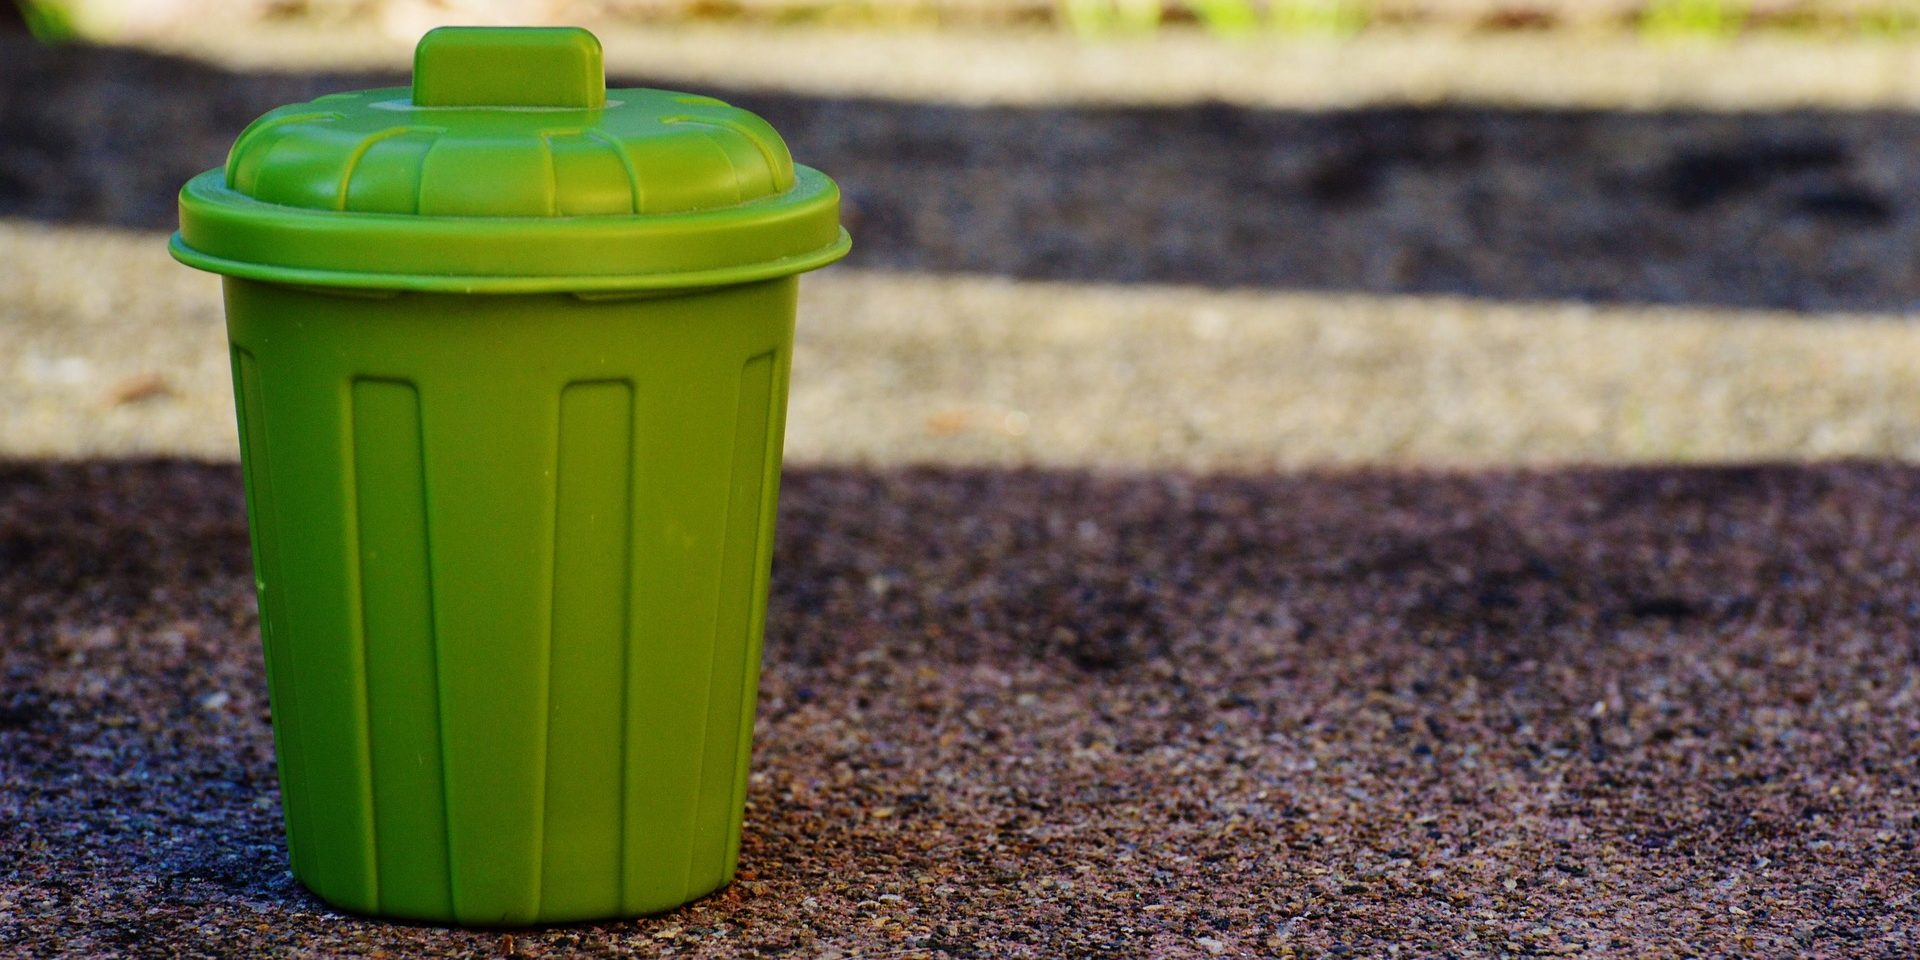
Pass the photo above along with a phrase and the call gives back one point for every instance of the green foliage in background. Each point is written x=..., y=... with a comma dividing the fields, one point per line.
x=1337, y=17
x=1693, y=18
x=64, y=21
x=1900, y=18
x=1100, y=17
x=1226, y=18
x=1655, y=20
x=50, y=21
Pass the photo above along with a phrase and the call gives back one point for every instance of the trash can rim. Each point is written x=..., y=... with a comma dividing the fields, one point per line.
x=227, y=232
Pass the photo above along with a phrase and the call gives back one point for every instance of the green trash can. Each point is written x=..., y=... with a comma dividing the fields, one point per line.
x=510, y=355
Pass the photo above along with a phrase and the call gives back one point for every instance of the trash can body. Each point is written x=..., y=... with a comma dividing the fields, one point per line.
x=512, y=555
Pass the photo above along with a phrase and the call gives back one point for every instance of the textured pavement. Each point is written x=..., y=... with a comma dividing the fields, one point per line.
x=1630, y=713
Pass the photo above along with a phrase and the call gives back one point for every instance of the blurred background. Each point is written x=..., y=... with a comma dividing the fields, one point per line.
x=1209, y=233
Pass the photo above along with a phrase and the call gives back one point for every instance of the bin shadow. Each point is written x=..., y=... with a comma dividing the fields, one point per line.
x=1026, y=702
x=1804, y=209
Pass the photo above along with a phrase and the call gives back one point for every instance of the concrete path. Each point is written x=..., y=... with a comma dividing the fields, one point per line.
x=109, y=348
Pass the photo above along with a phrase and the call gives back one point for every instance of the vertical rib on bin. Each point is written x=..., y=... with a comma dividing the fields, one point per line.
x=683, y=460
x=396, y=619
x=586, y=704
x=733, y=624
x=489, y=464
x=282, y=685
x=775, y=447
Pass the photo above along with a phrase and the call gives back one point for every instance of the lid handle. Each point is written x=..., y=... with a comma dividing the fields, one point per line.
x=509, y=67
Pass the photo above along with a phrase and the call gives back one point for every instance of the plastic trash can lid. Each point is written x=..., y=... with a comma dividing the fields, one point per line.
x=509, y=167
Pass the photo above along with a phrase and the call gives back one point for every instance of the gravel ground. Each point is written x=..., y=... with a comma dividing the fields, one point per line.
x=1634, y=713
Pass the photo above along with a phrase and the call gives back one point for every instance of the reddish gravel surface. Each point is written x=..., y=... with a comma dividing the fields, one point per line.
x=1614, y=712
